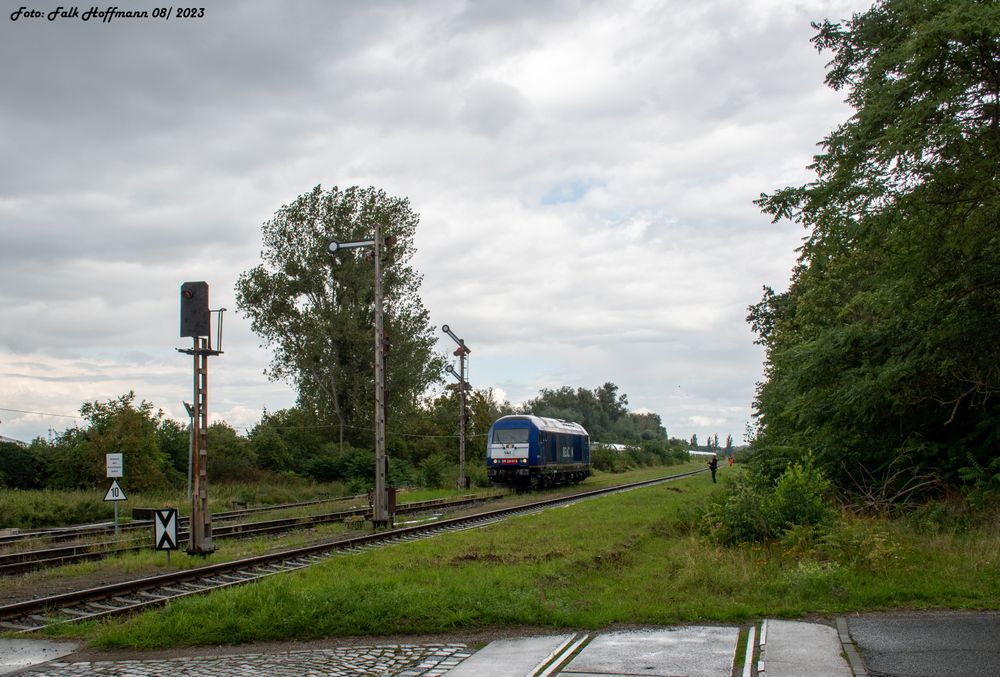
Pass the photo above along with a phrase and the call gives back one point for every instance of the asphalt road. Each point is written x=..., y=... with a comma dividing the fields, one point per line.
x=928, y=644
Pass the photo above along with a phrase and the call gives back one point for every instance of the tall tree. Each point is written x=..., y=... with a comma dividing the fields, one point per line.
x=316, y=311
x=887, y=342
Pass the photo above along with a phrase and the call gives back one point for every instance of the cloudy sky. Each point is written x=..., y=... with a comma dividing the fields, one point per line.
x=584, y=172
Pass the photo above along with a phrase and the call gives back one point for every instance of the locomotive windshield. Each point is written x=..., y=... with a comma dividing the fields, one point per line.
x=510, y=436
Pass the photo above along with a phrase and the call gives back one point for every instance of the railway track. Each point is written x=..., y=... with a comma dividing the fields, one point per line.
x=30, y=560
x=61, y=534
x=131, y=596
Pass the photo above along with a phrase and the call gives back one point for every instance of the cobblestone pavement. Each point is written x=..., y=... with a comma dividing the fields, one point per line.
x=428, y=660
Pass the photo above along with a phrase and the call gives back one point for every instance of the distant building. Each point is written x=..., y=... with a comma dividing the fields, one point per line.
x=9, y=440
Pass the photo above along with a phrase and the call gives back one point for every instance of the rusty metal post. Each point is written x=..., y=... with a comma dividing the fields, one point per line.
x=380, y=508
x=201, y=517
x=463, y=386
x=463, y=482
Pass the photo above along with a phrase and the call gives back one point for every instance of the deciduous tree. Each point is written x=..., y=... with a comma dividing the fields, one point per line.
x=887, y=342
x=316, y=311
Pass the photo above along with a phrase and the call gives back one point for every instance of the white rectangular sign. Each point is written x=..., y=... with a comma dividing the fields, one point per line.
x=115, y=465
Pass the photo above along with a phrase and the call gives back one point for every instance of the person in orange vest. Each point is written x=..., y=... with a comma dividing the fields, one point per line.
x=730, y=460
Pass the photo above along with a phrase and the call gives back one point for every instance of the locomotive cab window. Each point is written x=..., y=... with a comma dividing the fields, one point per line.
x=510, y=436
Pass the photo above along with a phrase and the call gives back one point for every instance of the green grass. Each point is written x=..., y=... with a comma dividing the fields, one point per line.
x=628, y=558
x=53, y=508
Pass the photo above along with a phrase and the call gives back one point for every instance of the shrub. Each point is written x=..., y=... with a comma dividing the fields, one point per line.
x=800, y=496
x=738, y=514
x=352, y=466
x=436, y=472
x=477, y=476
x=750, y=509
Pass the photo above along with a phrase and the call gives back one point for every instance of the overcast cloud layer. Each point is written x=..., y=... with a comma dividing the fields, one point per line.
x=584, y=172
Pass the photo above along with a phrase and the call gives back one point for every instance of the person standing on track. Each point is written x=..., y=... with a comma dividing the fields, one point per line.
x=713, y=465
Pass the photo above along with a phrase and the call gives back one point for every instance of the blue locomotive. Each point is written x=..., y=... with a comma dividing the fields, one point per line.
x=536, y=452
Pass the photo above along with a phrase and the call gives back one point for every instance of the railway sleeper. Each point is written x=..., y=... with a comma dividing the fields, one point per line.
x=235, y=578
x=270, y=569
x=76, y=613
x=214, y=581
x=173, y=591
x=152, y=595
x=19, y=627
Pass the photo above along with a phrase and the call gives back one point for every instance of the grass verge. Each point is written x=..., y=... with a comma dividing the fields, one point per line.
x=630, y=558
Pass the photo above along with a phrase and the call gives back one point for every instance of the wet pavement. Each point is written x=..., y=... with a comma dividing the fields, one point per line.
x=928, y=644
x=17, y=654
x=870, y=645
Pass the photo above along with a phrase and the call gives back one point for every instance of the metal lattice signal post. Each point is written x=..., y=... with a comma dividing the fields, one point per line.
x=196, y=323
x=463, y=387
x=380, y=501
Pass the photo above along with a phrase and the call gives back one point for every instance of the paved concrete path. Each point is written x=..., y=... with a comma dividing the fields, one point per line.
x=800, y=649
x=690, y=650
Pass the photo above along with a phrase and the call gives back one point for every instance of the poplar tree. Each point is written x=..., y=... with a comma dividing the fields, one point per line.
x=316, y=311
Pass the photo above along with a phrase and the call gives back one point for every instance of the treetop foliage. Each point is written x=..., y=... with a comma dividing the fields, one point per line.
x=602, y=412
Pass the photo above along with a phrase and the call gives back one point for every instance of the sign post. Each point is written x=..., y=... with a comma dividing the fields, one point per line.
x=115, y=494
x=165, y=530
x=115, y=469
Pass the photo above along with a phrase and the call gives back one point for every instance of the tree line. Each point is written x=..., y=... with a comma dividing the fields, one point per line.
x=422, y=443
x=883, y=355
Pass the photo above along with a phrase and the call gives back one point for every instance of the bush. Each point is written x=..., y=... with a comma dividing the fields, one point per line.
x=750, y=509
x=738, y=514
x=606, y=459
x=800, y=497
x=477, y=476
x=436, y=472
x=355, y=467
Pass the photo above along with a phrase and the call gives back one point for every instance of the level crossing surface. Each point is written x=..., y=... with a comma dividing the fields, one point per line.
x=696, y=651
x=929, y=644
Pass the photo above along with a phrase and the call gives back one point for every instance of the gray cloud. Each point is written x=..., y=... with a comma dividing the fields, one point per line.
x=584, y=175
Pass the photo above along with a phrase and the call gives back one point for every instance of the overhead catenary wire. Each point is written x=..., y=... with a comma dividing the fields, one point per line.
x=273, y=427
x=39, y=413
